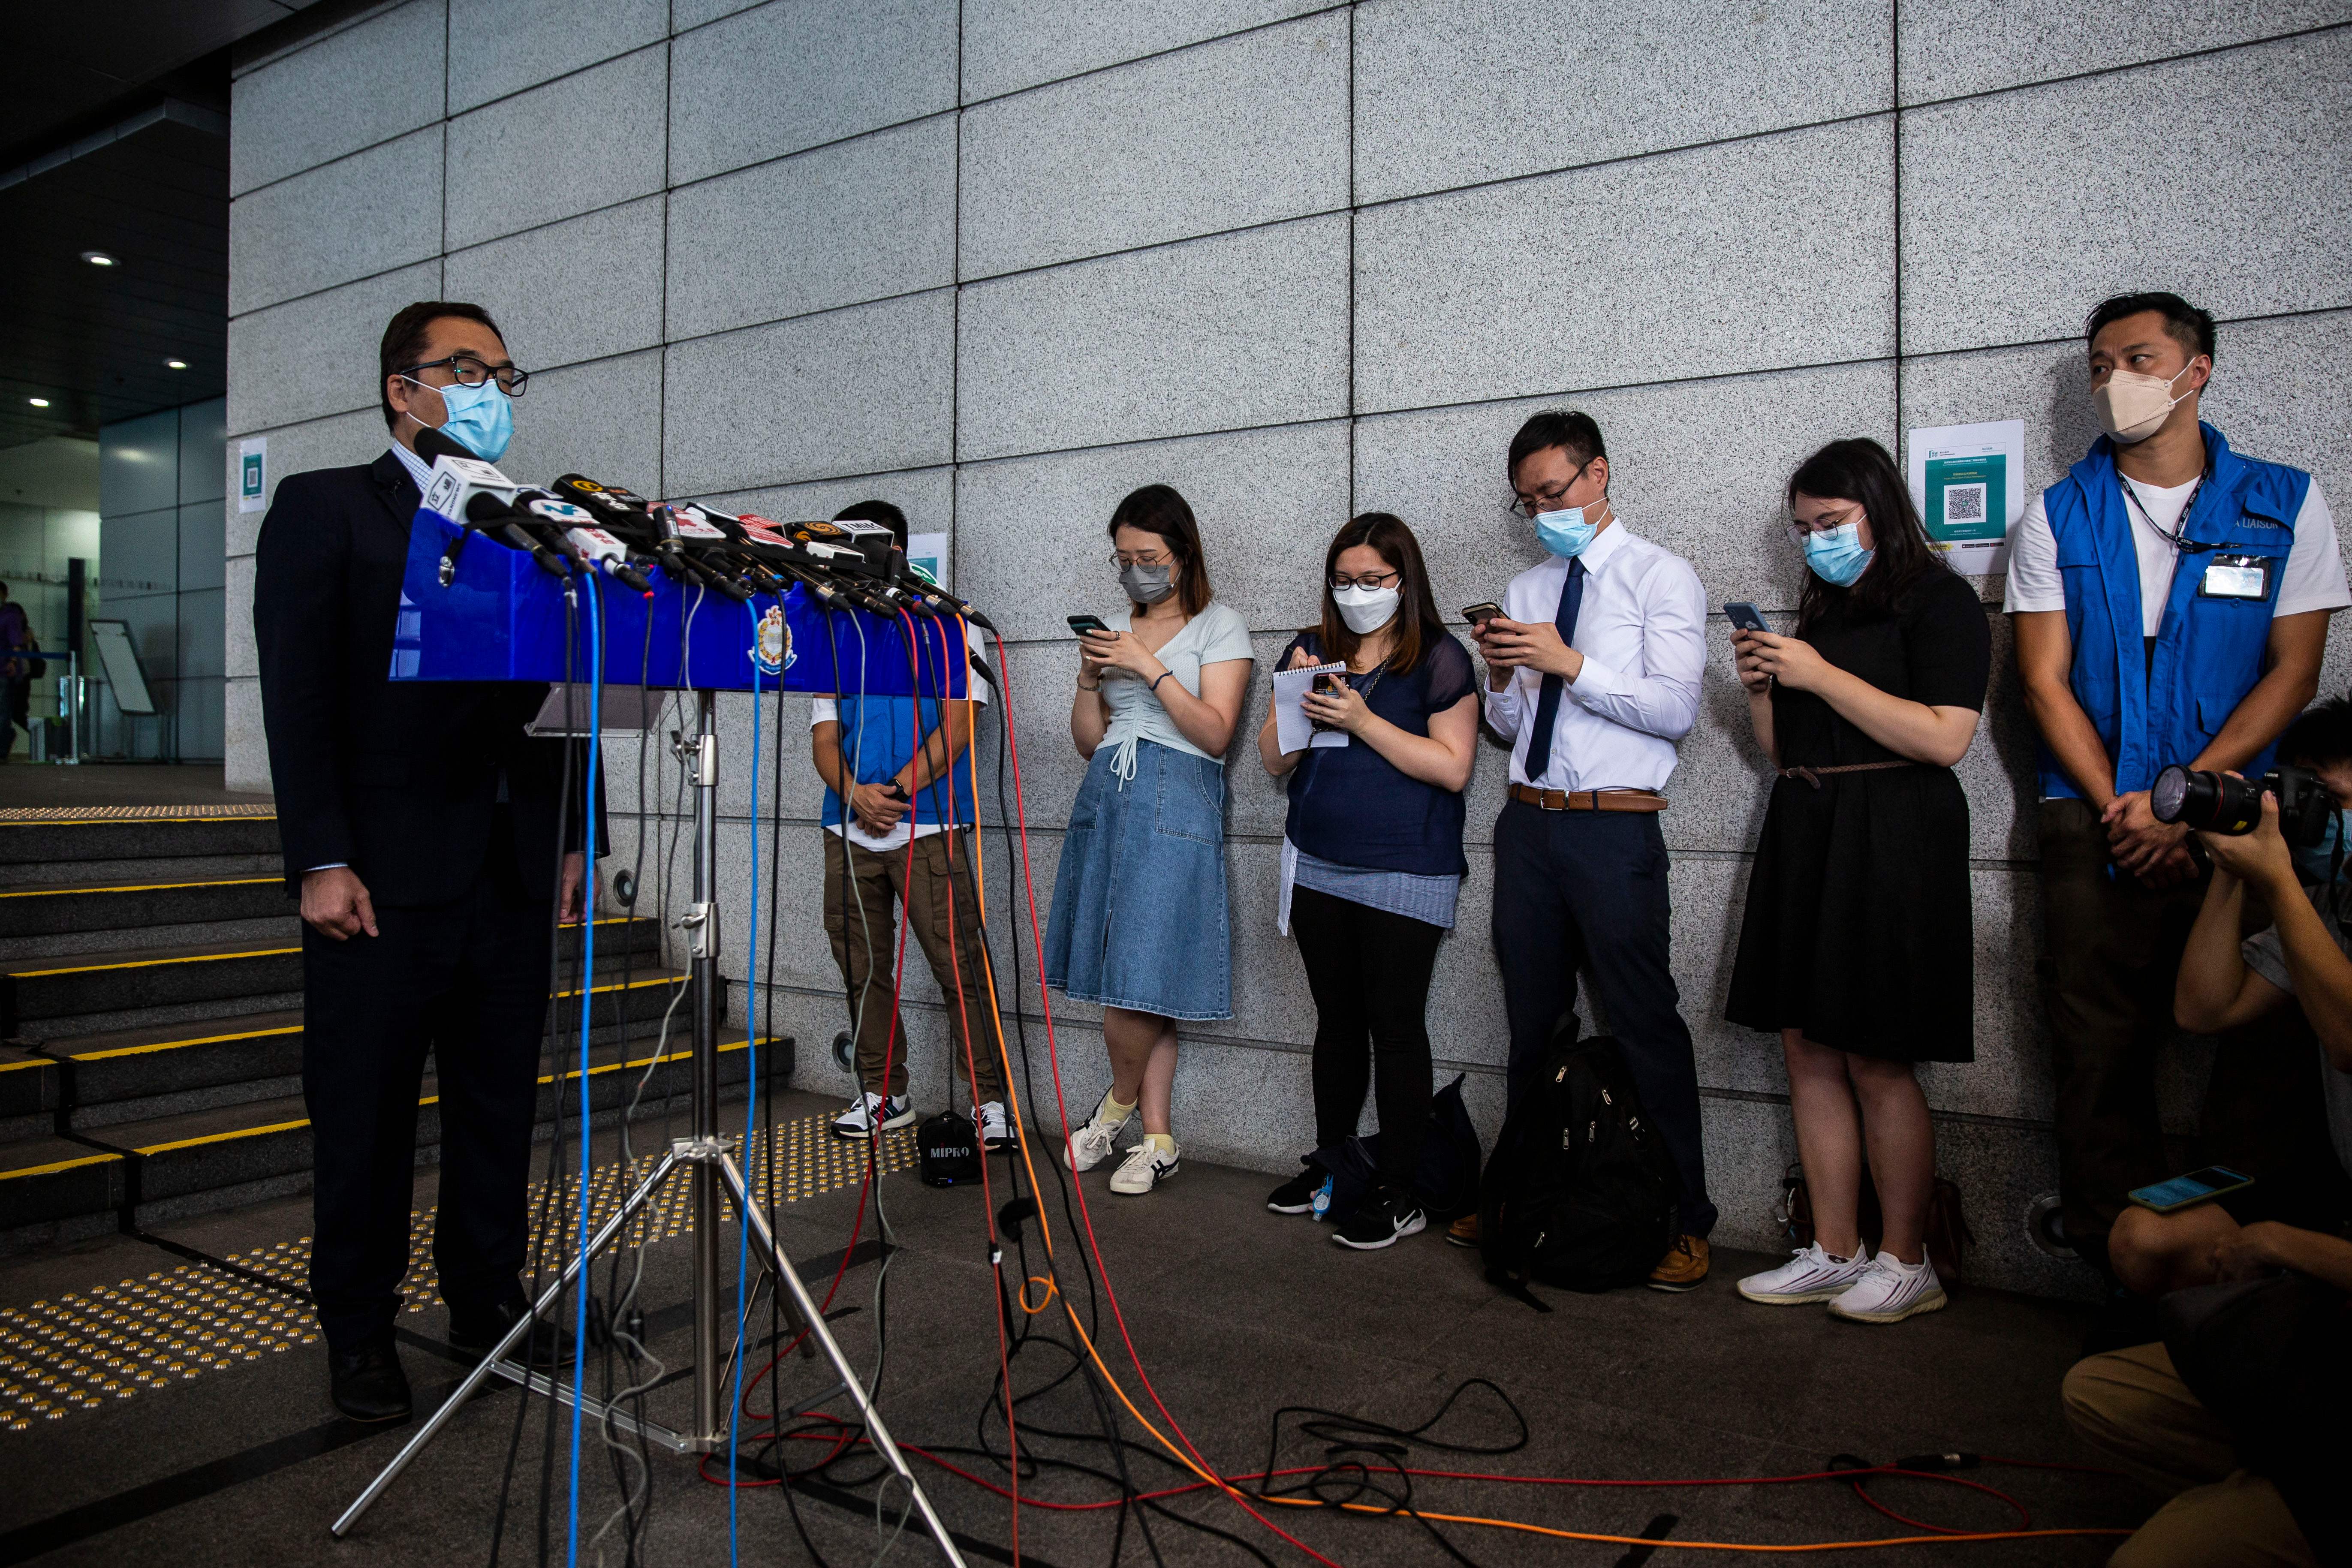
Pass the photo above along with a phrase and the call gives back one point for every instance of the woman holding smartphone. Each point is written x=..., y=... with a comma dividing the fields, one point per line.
x=1371, y=854
x=1857, y=943
x=1140, y=923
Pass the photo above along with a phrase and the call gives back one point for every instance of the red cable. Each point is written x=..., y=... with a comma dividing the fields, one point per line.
x=1061, y=1103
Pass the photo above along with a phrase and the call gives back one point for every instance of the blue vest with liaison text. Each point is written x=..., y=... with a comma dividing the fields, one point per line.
x=2209, y=650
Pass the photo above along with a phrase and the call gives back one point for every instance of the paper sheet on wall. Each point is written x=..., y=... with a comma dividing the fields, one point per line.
x=1293, y=730
x=253, y=474
x=1968, y=482
x=927, y=553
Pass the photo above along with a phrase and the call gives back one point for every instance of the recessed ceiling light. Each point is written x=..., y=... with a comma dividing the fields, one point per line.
x=175, y=365
x=38, y=402
x=97, y=259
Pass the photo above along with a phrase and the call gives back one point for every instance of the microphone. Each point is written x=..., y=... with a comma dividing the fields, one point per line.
x=588, y=544
x=464, y=489
x=692, y=546
x=939, y=602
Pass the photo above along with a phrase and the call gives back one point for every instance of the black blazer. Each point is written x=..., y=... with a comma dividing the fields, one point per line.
x=397, y=779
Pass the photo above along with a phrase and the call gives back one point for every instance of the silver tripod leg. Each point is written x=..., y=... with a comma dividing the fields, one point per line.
x=789, y=1279
x=523, y=1325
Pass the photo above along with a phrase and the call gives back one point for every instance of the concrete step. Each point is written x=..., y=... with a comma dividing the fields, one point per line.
x=146, y=1170
x=135, y=838
x=31, y=1091
x=59, y=907
x=45, y=998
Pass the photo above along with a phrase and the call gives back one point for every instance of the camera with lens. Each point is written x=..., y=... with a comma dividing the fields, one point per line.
x=2217, y=802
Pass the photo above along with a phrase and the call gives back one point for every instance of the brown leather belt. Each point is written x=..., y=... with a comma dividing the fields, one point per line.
x=1813, y=776
x=1589, y=799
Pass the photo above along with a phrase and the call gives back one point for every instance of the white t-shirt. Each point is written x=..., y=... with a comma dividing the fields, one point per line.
x=2266, y=954
x=2313, y=580
x=826, y=710
x=1213, y=636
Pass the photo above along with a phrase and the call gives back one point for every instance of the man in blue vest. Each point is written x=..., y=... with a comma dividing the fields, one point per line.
x=902, y=838
x=2170, y=601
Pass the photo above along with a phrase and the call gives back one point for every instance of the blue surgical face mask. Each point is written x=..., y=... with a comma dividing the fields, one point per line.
x=1836, y=555
x=2315, y=862
x=481, y=418
x=1565, y=532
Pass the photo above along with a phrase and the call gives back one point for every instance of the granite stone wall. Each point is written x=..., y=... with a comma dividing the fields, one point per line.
x=1001, y=260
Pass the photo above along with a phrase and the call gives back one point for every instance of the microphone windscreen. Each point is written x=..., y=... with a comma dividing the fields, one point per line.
x=430, y=444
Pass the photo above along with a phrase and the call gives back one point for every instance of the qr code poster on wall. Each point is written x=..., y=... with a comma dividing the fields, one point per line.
x=1967, y=481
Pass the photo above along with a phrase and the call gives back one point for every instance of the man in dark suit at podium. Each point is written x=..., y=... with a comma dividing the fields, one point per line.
x=427, y=837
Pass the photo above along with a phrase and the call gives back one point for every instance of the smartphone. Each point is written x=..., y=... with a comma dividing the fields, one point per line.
x=2187, y=1192
x=1328, y=684
x=1479, y=615
x=1745, y=616
x=1081, y=625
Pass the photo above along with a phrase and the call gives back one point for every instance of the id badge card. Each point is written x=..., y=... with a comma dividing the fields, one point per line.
x=2236, y=577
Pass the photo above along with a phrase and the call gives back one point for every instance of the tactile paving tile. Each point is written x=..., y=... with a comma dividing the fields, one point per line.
x=76, y=1352
x=129, y=813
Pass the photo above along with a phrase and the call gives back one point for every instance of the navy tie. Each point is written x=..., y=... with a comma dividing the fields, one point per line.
x=1571, y=597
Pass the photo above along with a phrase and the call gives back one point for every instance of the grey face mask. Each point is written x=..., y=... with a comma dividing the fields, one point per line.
x=1146, y=584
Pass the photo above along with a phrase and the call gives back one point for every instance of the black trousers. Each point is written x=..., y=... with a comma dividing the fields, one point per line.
x=468, y=980
x=1369, y=970
x=1576, y=889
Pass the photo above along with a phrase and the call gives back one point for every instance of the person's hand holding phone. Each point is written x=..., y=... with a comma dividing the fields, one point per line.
x=1792, y=661
x=1334, y=704
x=1106, y=651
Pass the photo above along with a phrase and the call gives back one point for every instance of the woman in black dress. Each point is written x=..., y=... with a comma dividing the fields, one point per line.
x=1857, y=945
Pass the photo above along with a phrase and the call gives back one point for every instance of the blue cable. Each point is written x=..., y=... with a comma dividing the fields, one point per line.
x=751, y=1105
x=587, y=1010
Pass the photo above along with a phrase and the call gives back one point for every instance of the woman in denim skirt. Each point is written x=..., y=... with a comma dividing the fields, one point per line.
x=1140, y=923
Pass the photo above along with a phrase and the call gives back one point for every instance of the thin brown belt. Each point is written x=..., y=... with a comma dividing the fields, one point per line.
x=1813, y=776
x=1589, y=799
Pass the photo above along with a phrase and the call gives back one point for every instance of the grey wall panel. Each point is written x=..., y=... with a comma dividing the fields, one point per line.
x=331, y=443
x=238, y=659
x=592, y=419
x=499, y=47
x=849, y=391
x=1012, y=44
x=588, y=141
x=203, y=429
x=360, y=216
x=1030, y=530
x=686, y=15
x=242, y=741
x=138, y=555
x=202, y=555
x=202, y=633
x=1223, y=334
x=1746, y=256
x=1244, y=130
x=790, y=74
x=1442, y=471
x=1461, y=91
x=137, y=464
x=363, y=85
x=196, y=719
x=575, y=290
x=317, y=355
x=2073, y=216
x=861, y=220
x=1955, y=47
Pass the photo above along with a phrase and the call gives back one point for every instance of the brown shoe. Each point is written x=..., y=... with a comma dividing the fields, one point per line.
x=1463, y=1232
x=1684, y=1267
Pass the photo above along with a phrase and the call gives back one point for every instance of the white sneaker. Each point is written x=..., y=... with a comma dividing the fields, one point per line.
x=1091, y=1144
x=858, y=1120
x=1813, y=1274
x=1146, y=1166
x=1891, y=1292
x=994, y=1134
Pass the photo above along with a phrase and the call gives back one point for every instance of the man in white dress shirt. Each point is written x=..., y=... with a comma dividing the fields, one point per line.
x=1592, y=676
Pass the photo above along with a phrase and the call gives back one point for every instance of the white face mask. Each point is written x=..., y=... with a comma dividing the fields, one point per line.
x=2132, y=406
x=1366, y=610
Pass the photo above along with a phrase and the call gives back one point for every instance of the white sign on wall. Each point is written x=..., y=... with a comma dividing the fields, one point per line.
x=1969, y=483
x=253, y=473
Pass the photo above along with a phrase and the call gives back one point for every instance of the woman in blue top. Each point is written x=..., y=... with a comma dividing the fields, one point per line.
x=1140, y=921
x=1372, y=856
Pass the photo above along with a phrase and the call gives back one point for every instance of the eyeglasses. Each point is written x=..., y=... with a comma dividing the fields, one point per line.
x=468, y=371
x=1341, y=579
x=1146, y=558
x=1798, y=528
x=1528, y=506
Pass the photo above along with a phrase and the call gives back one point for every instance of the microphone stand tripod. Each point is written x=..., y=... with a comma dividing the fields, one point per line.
x=709, y=1159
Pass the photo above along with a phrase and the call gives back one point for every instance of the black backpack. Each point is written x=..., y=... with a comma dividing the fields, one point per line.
x=1581, y=1191
x=1448, y=1183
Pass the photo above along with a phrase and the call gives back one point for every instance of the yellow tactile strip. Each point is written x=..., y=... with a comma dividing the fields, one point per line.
x=76, y=1352
x=68, y=815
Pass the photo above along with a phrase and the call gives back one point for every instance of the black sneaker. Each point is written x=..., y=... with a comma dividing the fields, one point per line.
x=1297, y=1195
x=1380, y=1220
